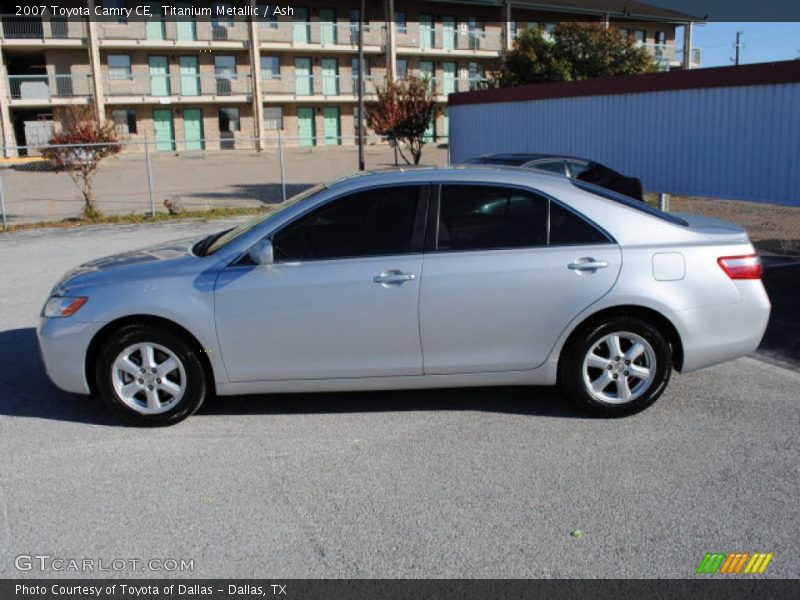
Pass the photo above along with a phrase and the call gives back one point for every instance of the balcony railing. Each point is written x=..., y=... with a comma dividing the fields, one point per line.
x=46, y=86
x=317, y=86
x=13, y=27
x=671, y=55
x=176, y=31
x=170, y=85
x=323, y=34
x=443, y=86
x=449, y=39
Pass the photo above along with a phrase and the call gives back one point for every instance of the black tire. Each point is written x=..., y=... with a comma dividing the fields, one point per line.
x=195, y=386
x=573, y=379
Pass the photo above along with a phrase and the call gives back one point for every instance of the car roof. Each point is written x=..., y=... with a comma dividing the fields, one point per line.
x=522, y=158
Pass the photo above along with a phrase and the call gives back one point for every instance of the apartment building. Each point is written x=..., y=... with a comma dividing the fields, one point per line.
x=194, y=83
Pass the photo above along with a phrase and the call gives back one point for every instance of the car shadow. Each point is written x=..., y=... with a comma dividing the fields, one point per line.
x=26, y=391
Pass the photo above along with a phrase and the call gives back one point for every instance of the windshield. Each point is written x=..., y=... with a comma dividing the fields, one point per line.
x=227, y=237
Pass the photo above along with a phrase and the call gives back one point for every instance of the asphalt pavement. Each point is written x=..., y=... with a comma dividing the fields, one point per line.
x=443, y=483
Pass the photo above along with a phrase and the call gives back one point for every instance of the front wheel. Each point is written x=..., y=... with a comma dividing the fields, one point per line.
x=616, y=368
x=149, y=376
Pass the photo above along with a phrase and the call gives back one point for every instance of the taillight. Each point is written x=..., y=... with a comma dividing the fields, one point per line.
x=741, y=267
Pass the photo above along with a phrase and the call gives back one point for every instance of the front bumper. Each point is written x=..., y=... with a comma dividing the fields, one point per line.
x=64, y=344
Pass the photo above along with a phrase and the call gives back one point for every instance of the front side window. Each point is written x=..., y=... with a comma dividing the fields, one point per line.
x=369, y=223
x=228, y=119
x=476, y=217
x=119, y=66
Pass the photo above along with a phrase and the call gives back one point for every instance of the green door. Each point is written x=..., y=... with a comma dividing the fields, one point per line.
x=430, y=132
x=186, y=27
x=327, y=26
x=305, y=127
x=155, y=28
x=333, y=127
x=302, y=28
x=193, y=128
x=330, y=77
x=449, y=79
x=427, y=34
x=302, y=74
x=159, y=76
x=165, y=133
x=427, y=72
x=449, y=32
x=190, y=76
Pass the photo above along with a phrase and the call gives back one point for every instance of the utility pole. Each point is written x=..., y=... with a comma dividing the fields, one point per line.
x=737, y=46
x=361, y=87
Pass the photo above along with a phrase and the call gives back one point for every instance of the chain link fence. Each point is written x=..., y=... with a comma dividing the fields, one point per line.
x=147, y=178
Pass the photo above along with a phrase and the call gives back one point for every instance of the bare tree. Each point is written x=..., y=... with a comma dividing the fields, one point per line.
x=403, y=112
x=78, y=149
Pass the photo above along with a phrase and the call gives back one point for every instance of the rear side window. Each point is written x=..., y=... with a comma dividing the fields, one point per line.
x=487, y=217
x=370, y=223
x=568, y=228
x=629, y=202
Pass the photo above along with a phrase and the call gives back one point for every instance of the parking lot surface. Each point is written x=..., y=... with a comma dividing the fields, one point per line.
x=440, y=483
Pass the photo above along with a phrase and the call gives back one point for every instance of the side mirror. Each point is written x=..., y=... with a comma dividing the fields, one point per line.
x=262, y=253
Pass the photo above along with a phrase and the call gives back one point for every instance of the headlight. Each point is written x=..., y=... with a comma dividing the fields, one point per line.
x=59, y=306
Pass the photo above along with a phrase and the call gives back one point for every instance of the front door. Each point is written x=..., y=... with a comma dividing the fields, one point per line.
x=159, y=76
x=426, y=70
x=164, y=130
x=449, y=33
x=193, y=128
x=339, y=302
x=302, y=74
x=190, y=76
x=155, y=28
x=186, y=27
x=427, y=33
x=449, y=79
x=446, y=124
x=330, y=77
x=496, y=295
x=327, y=26
x=301, y=33
x=430, y=133
x=305, y=127
x=333, y=127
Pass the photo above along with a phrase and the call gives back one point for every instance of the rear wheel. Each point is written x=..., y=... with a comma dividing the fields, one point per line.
x=149, y=376
x=616, y=368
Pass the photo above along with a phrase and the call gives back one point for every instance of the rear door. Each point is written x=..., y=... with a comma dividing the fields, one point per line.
x=499, y=284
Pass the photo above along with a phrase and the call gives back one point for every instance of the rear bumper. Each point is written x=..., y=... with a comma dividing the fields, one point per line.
x=715, y=334
x=64, y=343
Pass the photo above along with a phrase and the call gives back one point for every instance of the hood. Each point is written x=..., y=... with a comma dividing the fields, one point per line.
x=149, y=261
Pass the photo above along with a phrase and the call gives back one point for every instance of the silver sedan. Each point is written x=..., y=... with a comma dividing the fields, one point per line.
x=460, y=276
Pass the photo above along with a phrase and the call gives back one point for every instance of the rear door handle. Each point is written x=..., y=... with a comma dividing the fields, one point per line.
x=390, y=278
x=587, y=264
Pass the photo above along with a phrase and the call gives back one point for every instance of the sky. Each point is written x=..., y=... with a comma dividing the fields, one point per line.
x=763, y=42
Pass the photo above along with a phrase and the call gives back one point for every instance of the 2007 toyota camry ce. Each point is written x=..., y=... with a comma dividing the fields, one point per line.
x=460, y=276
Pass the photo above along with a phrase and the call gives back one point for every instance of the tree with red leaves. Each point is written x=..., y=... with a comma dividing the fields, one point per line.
x=403, y=112
x=78, y=149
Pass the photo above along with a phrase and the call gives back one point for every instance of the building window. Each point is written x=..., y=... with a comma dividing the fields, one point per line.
x=475, y=76
x=400, y=22
x=549, y=29
x=225, y=66
x=354, y=68
x=270, y=67
x=273, y=118
x=513, y=29
x=661, y=38
x=624, y=32
x=228, y=119
x=219, y=12
x=267, y=17
x=124, y=120
x=640, y=35
x=119, y=66
x=117, y=5
x=402, y=68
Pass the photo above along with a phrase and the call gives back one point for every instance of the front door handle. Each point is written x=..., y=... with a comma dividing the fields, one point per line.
x=390, y=278
x=587, y=264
